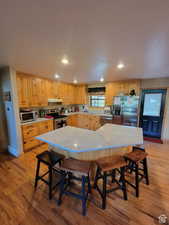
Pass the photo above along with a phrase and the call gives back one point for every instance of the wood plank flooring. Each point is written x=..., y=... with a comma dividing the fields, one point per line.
x=21, y=205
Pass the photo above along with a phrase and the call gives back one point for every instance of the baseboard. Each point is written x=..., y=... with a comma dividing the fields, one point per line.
x=166, y=141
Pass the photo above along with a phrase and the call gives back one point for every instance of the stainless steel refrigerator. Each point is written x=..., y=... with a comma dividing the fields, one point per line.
x=128, y=108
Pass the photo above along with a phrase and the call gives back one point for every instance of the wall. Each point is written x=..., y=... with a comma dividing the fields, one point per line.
x=3, y=125
x=155, y=83
x=160, y=83
x=8, y=78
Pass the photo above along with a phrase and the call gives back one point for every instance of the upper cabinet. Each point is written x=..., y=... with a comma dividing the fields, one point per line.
x=124, y=87
x=80, y=94
x=23, y=90
x=34, y=91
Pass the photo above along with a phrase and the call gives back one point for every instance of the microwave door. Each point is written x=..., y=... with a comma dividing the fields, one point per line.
x=25, y=117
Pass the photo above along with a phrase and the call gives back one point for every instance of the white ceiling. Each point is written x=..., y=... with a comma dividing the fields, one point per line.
x=94, y=34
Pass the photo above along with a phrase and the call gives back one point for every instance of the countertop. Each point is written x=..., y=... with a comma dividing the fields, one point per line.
x=36, y=121
x=78, y=140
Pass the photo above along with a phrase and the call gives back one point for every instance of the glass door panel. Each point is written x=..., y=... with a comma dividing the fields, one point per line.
x=152, y=104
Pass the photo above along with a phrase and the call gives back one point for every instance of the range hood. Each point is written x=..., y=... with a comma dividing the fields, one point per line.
x=55, y=100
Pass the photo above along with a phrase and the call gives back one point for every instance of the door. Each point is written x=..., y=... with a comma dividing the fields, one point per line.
x=152, y=111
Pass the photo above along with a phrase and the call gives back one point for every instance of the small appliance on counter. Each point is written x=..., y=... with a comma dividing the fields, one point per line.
x=28, y=116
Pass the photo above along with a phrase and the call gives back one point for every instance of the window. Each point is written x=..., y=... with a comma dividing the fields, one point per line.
x=97, y=100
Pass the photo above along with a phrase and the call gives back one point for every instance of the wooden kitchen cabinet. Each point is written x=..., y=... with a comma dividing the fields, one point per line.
x=30, y=131
x=124, y=87
x=45, y=126
x=80, y=94
x=85, y=121
x=72, y=120
x=34, y=91
x=23, y=90
x=42, y=90
x=38, y=92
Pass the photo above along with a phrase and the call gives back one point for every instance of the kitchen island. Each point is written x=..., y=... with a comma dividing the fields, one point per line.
x=85, y=144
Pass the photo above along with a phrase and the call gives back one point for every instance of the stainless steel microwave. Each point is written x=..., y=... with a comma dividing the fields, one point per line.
x=28, y=116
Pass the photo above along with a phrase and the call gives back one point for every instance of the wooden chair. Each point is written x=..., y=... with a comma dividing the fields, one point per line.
x=50, y=159
x=74, y=169
x=137, y=161
x=109, y=166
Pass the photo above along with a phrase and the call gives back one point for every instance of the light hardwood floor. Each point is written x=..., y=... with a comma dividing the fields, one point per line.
x=21, y=205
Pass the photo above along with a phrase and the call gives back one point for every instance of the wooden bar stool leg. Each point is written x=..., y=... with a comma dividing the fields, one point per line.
x=137, y=180
x=96, y=177
x=37, y=174
x=104, y=190
x=89, y=185
x=122, y=169
x=146, y=171
x=83, y=196
x=113, y=175
x=50, y=182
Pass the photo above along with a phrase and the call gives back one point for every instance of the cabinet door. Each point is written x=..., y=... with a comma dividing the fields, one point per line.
x=55, y=89
x=22, y=88
x=81, y=94
x=42, y=89
x=49, y=88
x=34, y=92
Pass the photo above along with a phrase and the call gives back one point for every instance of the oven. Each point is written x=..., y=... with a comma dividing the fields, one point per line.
x=60, y=122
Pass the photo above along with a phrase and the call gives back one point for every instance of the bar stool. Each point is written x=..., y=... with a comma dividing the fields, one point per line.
x=137, y=161
x=71, y=167
x=131, y=163
x=108, y=166
x=50, y=159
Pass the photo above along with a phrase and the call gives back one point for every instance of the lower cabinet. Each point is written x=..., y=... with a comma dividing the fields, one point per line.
x=91, y=122
x=30, y=131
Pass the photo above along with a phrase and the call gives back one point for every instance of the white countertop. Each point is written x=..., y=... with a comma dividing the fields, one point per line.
x=77, y=140
x=36, y=121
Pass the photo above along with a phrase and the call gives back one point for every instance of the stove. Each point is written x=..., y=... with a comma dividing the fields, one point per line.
x=59, y=120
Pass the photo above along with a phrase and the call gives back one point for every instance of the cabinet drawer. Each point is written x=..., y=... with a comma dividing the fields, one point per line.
x=30, y=131
x=30, y=143
x=45, y=126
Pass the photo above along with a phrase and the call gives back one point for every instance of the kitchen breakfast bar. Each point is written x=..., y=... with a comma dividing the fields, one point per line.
x=84, y=155
x=90, y=145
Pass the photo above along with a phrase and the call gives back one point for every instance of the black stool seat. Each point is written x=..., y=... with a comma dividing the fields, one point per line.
x=50, y=158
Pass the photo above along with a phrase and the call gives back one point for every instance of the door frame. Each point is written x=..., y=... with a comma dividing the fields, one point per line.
x=163, y=104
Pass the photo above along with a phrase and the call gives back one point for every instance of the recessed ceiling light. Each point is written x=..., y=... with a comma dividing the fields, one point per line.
x=101, y=79
x=75, y=81
x=65, y=61
x=57, y=76
x=120, y=66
